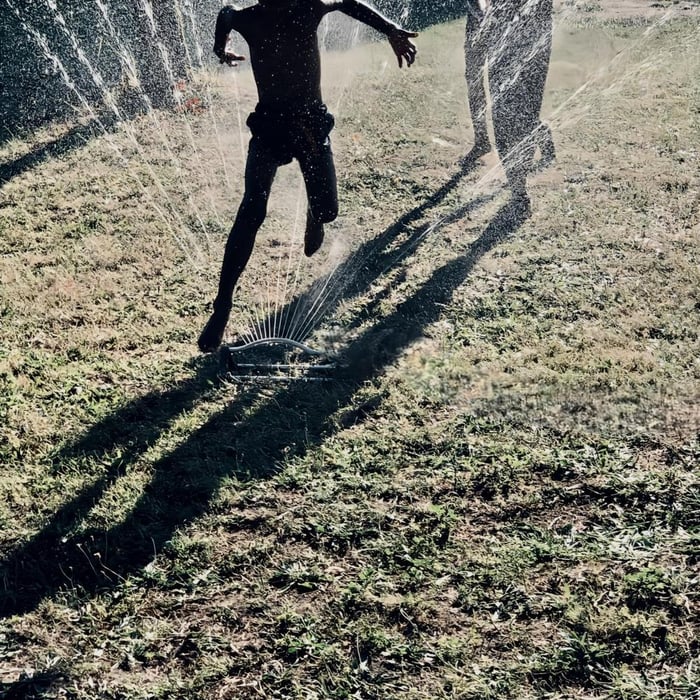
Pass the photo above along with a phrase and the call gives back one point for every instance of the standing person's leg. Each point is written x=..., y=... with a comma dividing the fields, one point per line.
x=513, y=138
x=261, y=167
x=537, y=69
x=475, y=65
x=511, y=105
x=318, y=169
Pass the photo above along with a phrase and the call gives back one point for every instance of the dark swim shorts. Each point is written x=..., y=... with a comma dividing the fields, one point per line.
x=291, y=131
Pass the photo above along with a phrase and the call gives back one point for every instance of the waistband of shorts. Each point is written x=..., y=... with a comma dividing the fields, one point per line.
x=291, y=109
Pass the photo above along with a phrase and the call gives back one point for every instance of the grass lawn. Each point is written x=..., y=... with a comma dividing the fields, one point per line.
x=497, y=497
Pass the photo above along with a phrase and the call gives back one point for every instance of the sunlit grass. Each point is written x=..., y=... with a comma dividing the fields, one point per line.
x=500, y=501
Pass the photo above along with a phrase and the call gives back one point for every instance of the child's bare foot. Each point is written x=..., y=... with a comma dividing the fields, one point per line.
x=213, y=332
x=313, y=236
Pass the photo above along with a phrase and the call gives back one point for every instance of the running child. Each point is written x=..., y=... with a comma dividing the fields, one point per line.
x=290, y=121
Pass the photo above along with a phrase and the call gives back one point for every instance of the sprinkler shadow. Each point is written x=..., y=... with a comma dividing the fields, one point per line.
x=78, y=563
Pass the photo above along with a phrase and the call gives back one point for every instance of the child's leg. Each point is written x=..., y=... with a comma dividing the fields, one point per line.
x=318, y=170
x=259, y=174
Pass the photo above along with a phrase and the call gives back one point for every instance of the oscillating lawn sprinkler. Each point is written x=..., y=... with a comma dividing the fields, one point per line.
x=275, y=360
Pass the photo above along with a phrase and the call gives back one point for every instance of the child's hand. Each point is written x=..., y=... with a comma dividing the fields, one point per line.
x=231, y=59
x=402, y=45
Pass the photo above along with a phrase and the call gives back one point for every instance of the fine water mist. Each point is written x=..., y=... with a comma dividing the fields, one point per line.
x=195, y=120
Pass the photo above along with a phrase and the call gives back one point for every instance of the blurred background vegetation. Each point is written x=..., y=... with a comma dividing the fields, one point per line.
x=164, y=38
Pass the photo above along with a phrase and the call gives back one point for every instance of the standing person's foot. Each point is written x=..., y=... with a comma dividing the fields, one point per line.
x=519, y=207
x=480, y=148
x=547, y=150
x=547, y=155
x=213, y=333
x=313, y=237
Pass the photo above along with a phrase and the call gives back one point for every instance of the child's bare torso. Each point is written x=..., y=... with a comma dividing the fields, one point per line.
x=283, y=44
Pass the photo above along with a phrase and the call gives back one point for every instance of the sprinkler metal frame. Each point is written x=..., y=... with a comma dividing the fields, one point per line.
x=288, y=371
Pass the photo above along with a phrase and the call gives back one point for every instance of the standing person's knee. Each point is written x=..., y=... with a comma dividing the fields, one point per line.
x=321, y=189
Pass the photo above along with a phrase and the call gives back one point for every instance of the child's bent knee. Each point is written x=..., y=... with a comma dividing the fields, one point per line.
x=254, y=211
x=329, y=215
x=324, y=213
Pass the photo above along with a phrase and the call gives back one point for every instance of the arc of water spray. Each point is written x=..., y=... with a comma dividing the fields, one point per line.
x=108, y=99
x=324, y=295
x=189, y=13
x=282, y=319
x=316, y=309
x=43, y=44
x=287, y=324
x=332, y=287
x=130, y=65
x=165, y=58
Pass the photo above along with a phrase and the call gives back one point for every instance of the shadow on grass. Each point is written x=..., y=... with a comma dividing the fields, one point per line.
x=72, y=139
x=357, y=273
x=103, y=122
x=31, y=687
x=291, y=420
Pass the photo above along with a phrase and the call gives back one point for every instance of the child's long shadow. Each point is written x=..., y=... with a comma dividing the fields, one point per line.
x=185, y=480
x=44, y=563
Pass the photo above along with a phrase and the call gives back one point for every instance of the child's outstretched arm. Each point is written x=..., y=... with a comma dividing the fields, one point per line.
x=225, y=24
x=400, y=39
